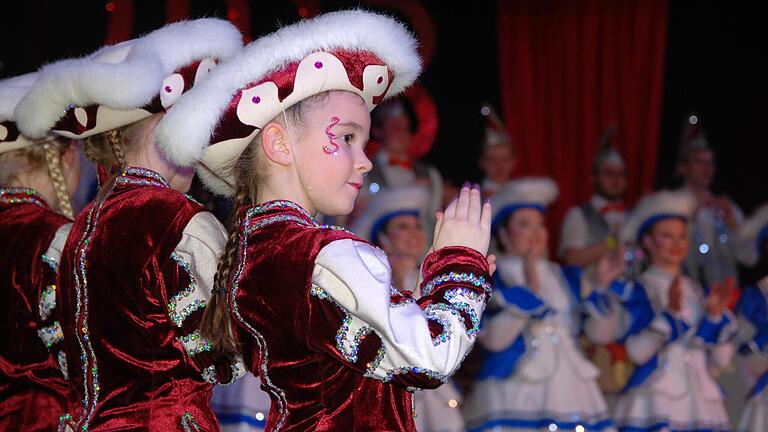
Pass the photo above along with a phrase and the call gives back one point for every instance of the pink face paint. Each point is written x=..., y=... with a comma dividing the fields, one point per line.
x=333, y=148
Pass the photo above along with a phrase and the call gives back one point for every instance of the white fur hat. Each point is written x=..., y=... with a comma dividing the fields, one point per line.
x=654, y=208
x=391, y=202
x=752, y=234
x=531, y=192
x=366, y=53
x=11, y=92
x=124, y=83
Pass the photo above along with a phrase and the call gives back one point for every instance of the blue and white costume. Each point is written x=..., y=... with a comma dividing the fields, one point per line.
x=437, y=410
x=241, y=406
x=672, y=388
x=753, y=322
x=535, y=376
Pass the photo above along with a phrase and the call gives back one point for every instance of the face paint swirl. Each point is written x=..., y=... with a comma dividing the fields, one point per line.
x=333, y=148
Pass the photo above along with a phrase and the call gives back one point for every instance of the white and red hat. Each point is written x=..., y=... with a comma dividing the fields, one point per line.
x=362, y=52
x=127, y=82
x=12, y=90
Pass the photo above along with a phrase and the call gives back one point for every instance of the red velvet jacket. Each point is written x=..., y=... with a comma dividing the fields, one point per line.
x=32, y=388
x=335, y=346
x=133, y=304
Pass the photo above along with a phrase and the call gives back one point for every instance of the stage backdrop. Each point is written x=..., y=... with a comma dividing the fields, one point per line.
x=567, y=70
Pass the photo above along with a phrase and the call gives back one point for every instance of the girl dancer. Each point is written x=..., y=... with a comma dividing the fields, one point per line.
x=283, y=128
x=137, y=268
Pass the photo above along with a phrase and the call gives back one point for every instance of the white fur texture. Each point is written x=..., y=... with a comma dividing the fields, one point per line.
x=12, y=90
x=388, y=201
x=186, y=130
x=532, y=190
x=123, y=76
x=680, y=203
x=748, y=232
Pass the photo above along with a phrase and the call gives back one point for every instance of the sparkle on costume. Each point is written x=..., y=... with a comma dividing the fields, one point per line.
x=51, y=262
x=47, y=302
x=458, y=278
x=195, y=344
x=188, y=423
x=21, y=195
x=277, y=392
x=51, y=335
x=178, y=316
x=351, y=351
x=87, y=354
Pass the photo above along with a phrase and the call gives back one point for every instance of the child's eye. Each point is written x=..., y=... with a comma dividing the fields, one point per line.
x=348, y=138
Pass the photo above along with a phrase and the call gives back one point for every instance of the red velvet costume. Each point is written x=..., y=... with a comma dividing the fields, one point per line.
x=134, y=291
x=32, y=388
x=335, y=346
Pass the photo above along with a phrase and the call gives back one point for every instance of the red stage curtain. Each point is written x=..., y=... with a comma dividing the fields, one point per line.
x=568, y=69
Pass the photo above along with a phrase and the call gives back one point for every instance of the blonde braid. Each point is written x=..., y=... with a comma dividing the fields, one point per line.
x=216, y=325
x=53, y=160
x=113, y=137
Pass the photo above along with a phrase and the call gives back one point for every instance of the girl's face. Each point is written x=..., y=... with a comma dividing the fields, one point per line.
x=526, y=233
x=329, y=156
x=667, y=242
x=406, y=238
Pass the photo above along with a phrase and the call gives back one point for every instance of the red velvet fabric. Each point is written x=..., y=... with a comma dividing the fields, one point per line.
x=290, y=334
x=32, y=389
x=570, y=69
x=145, y=379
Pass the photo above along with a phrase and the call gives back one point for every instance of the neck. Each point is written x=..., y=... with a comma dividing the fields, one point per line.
x=670, y=268
x=270, y=193
x=148, y=157
x=41, y=184
x=701, y=192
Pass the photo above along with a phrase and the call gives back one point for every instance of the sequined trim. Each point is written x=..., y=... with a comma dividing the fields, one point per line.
x=405, y=369
x=51, y=262
x=143, y=172
x=211, y=377
x=51, y=335
x=195, y=344
x=65, y=423
x=277, y=393
x=431, y=313
x=309, y=221
x=22, y=195
x=183, y=304
x=457, y=278
x=188, y=423
x=397, y=299
x=455, y=309
x=61, y=358
x=89, y=365
x=374, y=364
x=275, y=219
x=47, y=302
x=348, y=349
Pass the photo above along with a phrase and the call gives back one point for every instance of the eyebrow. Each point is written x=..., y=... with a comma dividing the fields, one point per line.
x=353, y=125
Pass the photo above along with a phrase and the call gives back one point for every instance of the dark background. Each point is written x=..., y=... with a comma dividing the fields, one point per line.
x=715, y=66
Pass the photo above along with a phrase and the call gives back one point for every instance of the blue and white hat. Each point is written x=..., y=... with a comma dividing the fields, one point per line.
x=654, y=208
x=389, y=203
x=531, y=192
